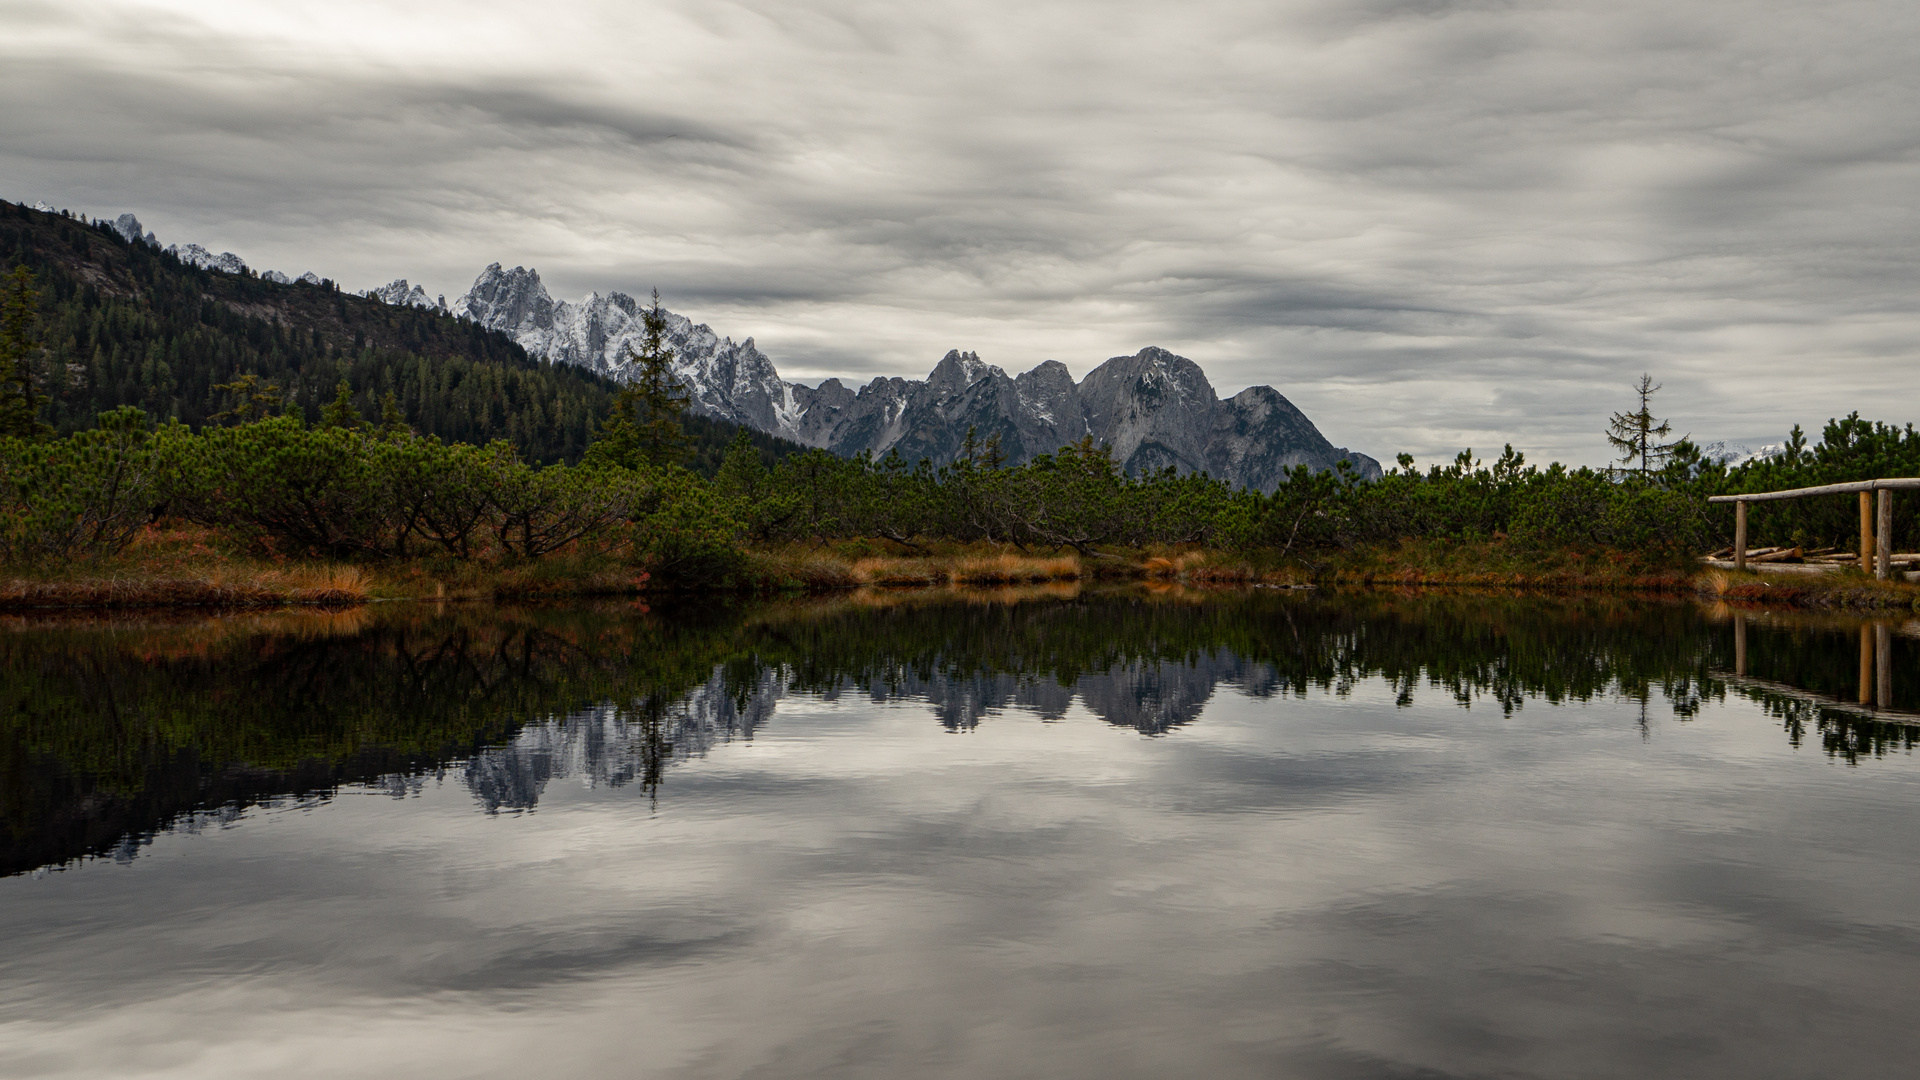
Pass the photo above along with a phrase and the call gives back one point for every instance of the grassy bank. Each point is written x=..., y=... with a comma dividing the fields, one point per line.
x=187, y=566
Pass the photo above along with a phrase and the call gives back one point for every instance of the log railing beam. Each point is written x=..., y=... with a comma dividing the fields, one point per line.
x=1892, y=483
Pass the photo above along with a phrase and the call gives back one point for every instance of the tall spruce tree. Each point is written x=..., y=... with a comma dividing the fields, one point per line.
x=1637, y=434
x=647, y=424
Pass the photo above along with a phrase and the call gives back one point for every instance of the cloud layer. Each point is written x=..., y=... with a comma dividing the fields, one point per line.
x=1431, y=224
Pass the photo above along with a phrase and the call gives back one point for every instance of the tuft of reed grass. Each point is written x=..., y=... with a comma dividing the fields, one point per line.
x=1012, y=569
x=881, y=570
x=1001, y=569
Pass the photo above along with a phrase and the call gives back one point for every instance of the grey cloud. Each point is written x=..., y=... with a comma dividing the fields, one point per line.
x=1426, y=222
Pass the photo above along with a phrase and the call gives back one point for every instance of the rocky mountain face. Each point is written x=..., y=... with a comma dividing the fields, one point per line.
x=727, y=380
x=1154, y=409
x=226, y=262
x=398, y=294
x=129, y=226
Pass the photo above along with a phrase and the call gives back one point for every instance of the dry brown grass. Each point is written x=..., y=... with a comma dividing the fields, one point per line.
x=880, y=570
x=335, y=586
x=319, y=585
x=883, y=597
x=1011, y=569
x=1001, y=569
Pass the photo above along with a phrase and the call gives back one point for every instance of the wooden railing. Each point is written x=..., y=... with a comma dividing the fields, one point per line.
x=1876, y=538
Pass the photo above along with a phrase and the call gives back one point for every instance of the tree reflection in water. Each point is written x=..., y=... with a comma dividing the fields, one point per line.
x=111, y=731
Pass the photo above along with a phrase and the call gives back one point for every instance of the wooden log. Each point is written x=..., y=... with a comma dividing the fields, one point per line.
x=1883, y=536
x=1798, y=493
x=1892, y=483
x=1779, y=555
x=1780, y=567
x=1740, y=536
x=1866, y=533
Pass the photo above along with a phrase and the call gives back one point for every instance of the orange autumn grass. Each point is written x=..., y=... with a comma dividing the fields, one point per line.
x=1004, y=569
x=320, y=584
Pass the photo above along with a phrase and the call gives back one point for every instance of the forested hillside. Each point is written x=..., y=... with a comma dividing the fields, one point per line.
x=123, y=323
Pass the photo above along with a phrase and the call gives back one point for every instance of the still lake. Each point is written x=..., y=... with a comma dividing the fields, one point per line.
x=1036, y=832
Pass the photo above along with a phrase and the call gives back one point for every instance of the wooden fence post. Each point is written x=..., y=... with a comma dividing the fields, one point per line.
x=1883, y=537
x=1740, y=536
x=1866, y=532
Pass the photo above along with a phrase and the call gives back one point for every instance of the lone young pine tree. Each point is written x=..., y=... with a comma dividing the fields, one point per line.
x=646, y=424
x=1637, y=435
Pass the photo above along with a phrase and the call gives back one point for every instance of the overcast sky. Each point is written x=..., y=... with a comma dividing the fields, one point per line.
x=1429, y=224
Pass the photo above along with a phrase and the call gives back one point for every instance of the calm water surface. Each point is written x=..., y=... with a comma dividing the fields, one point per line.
x=1024, y=834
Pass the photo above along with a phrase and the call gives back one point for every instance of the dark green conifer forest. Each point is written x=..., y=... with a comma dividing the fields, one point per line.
x=122, y=323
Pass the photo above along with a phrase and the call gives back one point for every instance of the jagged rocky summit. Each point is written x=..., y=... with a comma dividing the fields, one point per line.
x=397, y=293
x=728, y=380
x=194, y=255
x=1154, y=408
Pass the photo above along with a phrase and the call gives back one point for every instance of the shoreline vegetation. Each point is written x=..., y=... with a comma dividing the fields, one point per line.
x=271, y=510
x=186, y=567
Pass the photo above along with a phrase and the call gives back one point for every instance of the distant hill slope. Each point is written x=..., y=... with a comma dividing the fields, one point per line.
x=125, y=323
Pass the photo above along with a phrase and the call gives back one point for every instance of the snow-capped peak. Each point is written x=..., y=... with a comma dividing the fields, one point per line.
x=194, y=255
x=1731, y=454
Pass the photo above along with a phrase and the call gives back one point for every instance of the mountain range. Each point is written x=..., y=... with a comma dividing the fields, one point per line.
x=1154, y=408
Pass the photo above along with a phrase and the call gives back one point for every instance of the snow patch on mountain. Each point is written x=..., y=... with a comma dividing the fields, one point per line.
x=194, y=255
x=1731, y=454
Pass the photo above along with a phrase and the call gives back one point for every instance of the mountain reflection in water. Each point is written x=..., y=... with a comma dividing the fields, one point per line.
x=112, y=732
x=1136, y=833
